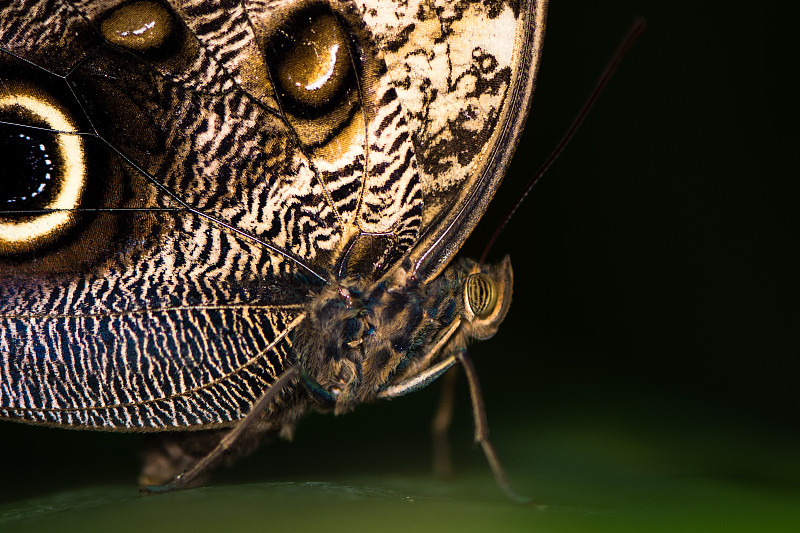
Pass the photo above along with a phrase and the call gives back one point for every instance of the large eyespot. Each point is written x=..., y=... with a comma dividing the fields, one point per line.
x=43, y=175
x=311, y=62
x=139, y=26
x=152, y=31
x=315, y=66
x=480, y=295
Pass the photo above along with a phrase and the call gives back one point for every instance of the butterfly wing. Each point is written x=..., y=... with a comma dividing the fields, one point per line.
x=176, y=201
x=465, y=72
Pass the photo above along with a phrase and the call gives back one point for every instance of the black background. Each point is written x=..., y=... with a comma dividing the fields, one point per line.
x=656, y=263
x=660, y=252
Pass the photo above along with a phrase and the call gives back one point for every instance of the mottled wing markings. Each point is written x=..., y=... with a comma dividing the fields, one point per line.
x=191, y=222
x=197, y=70
x=263, y=200
x=203, y=383
x=226, y=203
x=230, y=155
x=450, y=63
x=392, y=199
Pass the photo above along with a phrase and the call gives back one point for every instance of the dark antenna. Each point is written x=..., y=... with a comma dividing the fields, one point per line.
x=633, y=33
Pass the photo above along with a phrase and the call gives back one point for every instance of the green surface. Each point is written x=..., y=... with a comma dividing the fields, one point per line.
x=647, y=468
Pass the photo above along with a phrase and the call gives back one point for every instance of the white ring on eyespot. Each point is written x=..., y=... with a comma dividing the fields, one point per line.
x=23, y=235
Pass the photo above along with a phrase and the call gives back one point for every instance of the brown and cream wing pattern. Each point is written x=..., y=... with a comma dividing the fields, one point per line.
x=184, y=176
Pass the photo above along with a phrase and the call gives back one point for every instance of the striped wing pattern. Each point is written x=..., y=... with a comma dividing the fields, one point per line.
x=212, y=212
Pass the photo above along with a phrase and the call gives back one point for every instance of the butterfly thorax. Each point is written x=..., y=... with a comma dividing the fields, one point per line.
x=360, y=338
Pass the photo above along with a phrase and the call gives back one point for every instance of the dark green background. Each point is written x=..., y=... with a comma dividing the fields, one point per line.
x=646, y=377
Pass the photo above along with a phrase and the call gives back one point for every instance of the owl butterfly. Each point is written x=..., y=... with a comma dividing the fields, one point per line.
x=222, y=214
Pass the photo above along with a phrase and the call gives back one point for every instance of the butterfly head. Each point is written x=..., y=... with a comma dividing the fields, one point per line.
x=359, y=338
x=487, y=298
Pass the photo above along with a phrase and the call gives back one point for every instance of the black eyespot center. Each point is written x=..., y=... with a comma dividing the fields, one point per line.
x=29, y=169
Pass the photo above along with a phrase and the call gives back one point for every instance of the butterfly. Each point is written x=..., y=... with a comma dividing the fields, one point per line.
x=224, y=214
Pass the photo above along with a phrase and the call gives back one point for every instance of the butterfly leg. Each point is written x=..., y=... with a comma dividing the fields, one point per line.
x=482, y=428
x=167, y=454
x=440, y=426
x=182, y=480
x=419, y=381
x=479, y=413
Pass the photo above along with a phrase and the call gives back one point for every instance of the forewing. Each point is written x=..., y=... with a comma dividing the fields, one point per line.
x=465, y=73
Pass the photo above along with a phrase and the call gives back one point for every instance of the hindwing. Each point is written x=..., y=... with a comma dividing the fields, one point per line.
x=183, y=178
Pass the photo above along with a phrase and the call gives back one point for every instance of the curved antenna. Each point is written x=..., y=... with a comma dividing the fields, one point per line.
x=633, y=33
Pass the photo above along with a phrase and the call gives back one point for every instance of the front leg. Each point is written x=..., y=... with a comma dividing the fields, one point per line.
x=482, y=428
x=427, y=376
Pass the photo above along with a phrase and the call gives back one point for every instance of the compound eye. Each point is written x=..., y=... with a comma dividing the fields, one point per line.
x=480, y=295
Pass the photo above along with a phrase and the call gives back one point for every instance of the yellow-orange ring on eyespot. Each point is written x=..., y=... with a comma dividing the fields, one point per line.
x=23, y=236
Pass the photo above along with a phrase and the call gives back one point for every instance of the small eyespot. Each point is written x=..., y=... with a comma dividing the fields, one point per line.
x=44, y=173
x=480, y=294
x=139, y=26
x=312, y=63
